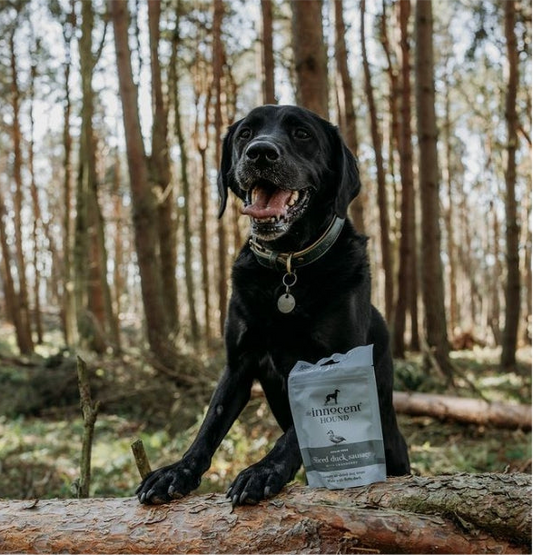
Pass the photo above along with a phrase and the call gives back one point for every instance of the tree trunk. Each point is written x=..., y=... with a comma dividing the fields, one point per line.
x=185, y=189
x=432, y=275
x=347, y=119
x=471, y=411
x=267, y=52
x=24, y=336
x=448, y=514
x=449, y=215
x=10, y=296
x=407, y=262
x=386, y=255
x=218, y=59
x=37, y=227
x=310, y=58
x=90, y=258
x=119, y=269
x=68, y=305
x=160, y=174
x=143, y=201
x=512, y=232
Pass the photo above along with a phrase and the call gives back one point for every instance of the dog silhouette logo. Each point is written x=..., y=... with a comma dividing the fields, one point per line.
x=332, y=397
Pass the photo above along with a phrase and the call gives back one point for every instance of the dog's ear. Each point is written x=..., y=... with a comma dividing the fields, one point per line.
x=225, y=179
x=347, y=174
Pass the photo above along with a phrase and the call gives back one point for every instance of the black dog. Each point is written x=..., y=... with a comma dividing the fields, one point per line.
x=301, y=291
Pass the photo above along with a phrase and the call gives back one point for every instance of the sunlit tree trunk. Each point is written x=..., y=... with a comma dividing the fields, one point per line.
x=68, y=304
x=512, y=231
x=143, y=201
x=24, y=335
x=267, y=51
x=310, y=60
x=118, y=216
x=160, y=173
x=96, y=325
x=218, y=59
x=185, y=190
x=347, y=119
x=432, y=275
x=449, y=216
x=37, y=227
x=386, y=255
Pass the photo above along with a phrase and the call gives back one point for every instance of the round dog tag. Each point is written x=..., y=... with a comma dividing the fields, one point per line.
x=286, y=303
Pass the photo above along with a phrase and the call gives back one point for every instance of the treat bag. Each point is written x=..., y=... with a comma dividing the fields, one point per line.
x=335, y=407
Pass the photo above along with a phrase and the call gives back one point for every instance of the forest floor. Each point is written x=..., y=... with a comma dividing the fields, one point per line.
x=41, y=425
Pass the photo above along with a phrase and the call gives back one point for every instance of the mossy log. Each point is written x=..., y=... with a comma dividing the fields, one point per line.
x=488, y=513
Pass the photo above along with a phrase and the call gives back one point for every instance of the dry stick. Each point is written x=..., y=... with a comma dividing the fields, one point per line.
x=89, y=410
x=141, y=460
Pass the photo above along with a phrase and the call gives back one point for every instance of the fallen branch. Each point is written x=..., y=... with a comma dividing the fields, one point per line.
x=472, y=411
x=488, y=513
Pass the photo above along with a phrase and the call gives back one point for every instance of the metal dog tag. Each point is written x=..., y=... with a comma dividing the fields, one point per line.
x=286, y=303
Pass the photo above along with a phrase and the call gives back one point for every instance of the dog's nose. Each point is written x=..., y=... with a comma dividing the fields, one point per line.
x=262, y=151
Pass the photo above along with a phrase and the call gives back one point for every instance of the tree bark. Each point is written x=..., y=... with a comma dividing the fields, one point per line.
x=143, y=201
x=23, y=322
x=406, y=295
x=432, y=274
x=68, y=306
x=448, y=514
x=347, y=119
x=267, y=53
x=218, y=60
x=471, y=411
x=185, y=188
x=512, y=232
x=159, y=169
x=377, y=142
x=310, y=59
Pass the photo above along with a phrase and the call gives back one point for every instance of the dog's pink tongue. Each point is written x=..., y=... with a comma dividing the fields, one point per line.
x=268, y=204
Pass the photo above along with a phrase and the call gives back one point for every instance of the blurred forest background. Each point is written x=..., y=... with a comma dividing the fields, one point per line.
x=111, y=122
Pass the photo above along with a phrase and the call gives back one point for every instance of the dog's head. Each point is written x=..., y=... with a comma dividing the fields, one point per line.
x=286, y=162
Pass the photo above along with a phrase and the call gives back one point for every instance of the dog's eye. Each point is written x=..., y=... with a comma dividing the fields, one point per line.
x=301, y=133
x=245, y=133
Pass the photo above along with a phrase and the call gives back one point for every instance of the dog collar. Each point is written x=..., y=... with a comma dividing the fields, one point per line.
x=287, y=260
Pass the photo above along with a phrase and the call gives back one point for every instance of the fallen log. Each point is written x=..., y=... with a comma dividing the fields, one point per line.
x=463, y=513
x=472, y=411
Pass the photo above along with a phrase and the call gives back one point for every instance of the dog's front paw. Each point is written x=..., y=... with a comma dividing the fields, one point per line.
x=258, y=482
x=167, y=483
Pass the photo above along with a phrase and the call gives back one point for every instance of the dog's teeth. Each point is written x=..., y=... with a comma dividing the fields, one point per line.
x=293, y=198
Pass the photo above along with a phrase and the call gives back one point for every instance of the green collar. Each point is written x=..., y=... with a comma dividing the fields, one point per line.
x=287, y=260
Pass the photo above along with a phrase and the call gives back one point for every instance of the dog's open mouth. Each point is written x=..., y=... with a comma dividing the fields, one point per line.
x=273, y=209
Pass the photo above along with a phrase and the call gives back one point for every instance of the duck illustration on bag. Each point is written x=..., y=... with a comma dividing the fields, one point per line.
x=335, y=439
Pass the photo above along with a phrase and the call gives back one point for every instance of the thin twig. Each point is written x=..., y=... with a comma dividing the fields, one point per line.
x=141, y=460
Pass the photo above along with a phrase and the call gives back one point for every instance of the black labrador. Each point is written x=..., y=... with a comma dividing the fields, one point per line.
x=301, y=291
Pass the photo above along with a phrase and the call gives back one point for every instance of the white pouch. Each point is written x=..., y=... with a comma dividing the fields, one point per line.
x=335, y=408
